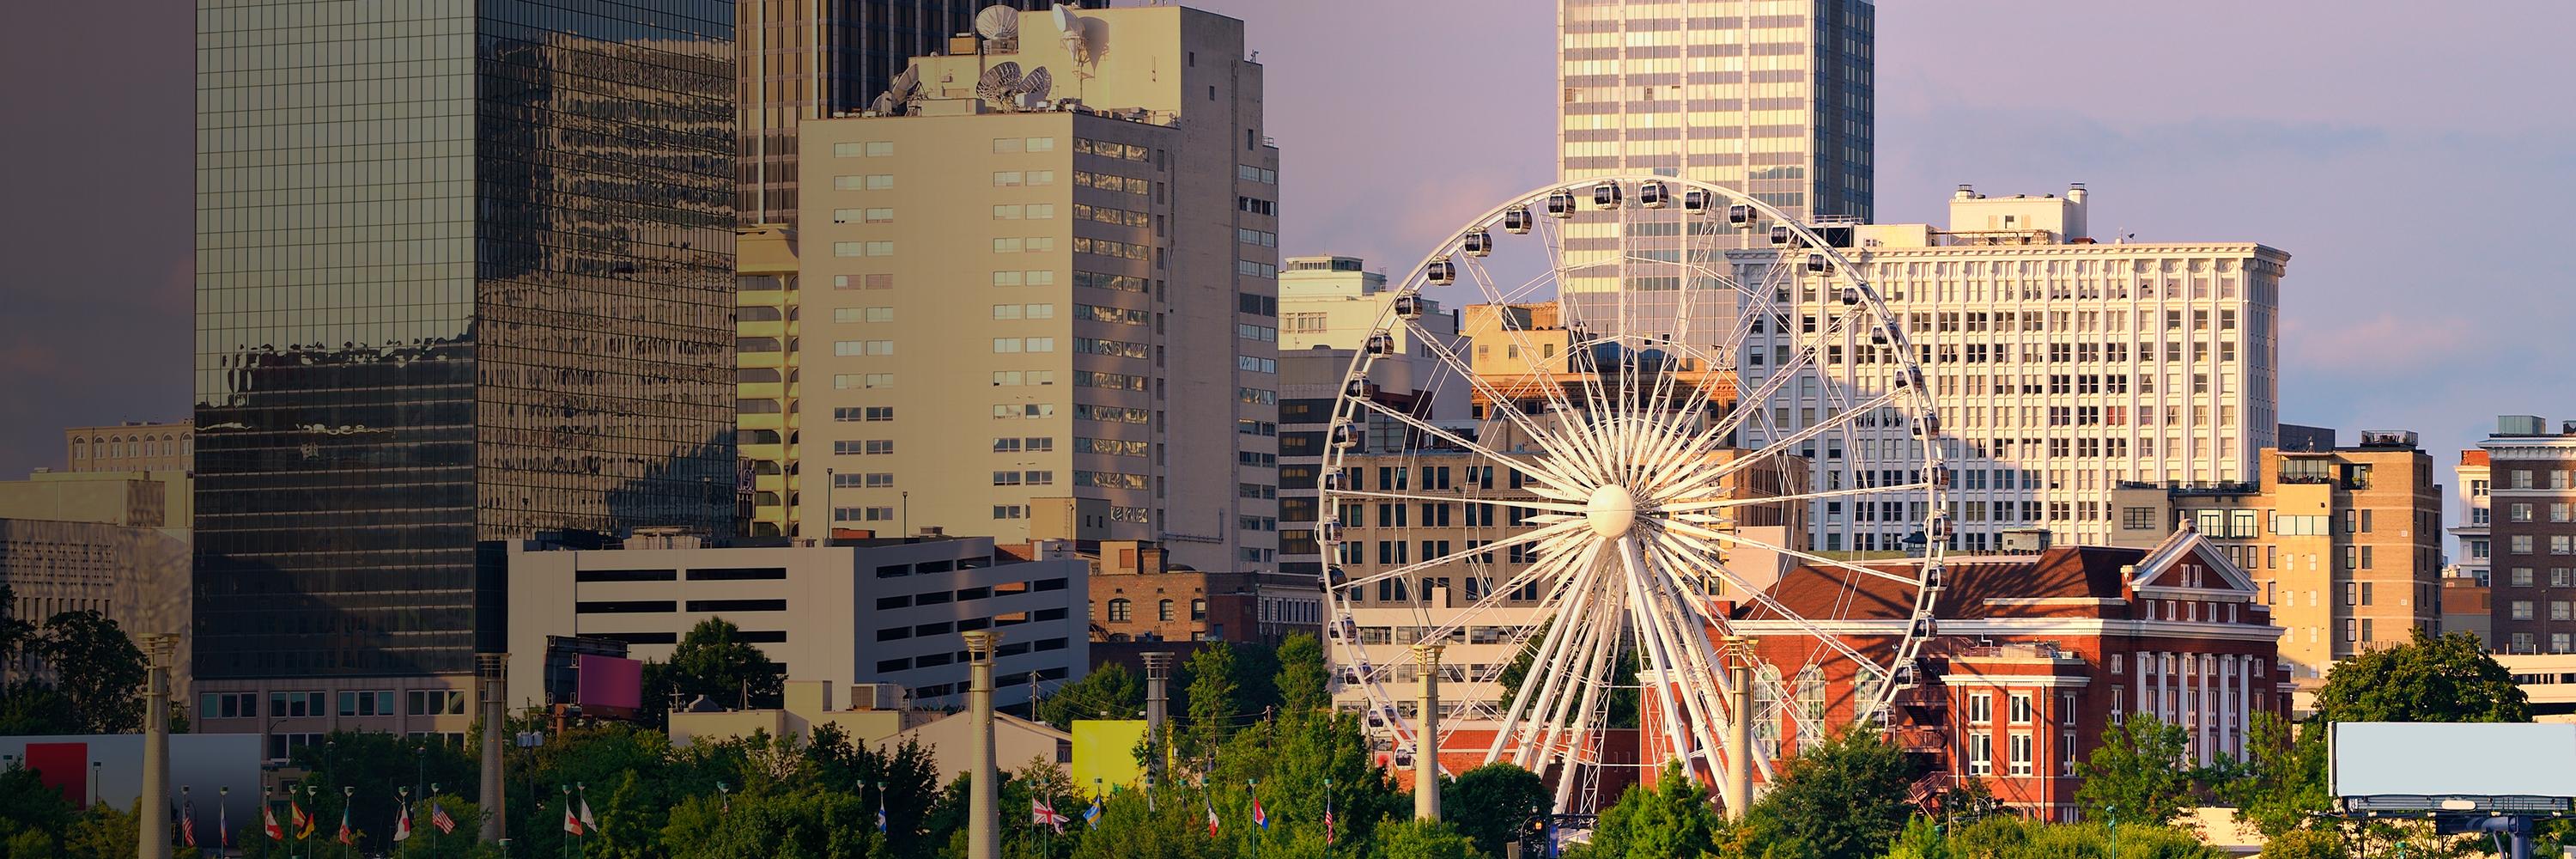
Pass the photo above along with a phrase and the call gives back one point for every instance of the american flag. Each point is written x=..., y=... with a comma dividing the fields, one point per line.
x=438, y=818
x=188, y=822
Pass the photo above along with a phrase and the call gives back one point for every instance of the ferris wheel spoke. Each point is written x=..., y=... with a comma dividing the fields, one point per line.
x=1687, y=549
x=1685, y=622
x=1686, y=507
x=1534, y=536
x=1557, y=506
x=1711, y=534
x=1709, y=478
x=1476, y=382
x=1508, y=323
x=1547, y=566
x=1540, y=685
x=1532, y=467
x=1566, y=724
x=1682, y=718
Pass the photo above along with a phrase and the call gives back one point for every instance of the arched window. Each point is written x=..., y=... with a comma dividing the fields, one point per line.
x=1120, y=610
x=1198, y=609
x=1165, y=612
x=1766, y=712
x=1811, y=706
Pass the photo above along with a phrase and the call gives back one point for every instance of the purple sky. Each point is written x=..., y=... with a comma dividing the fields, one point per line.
x=2410, y=157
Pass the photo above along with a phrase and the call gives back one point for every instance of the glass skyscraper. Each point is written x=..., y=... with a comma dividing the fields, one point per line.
x=464, y=273
x=1768, y=97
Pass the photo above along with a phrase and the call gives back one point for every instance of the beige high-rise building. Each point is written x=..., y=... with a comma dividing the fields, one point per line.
x=1019, y=308
x=2062, y=367
x=2345, y=544
x=132, y=446
x=1769, y=97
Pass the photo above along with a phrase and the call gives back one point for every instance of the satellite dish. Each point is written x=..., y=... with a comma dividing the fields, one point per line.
x=997, y=22
x=905, y=82
x=884, y=104
x=999, y=82
x=1037, y=84
x=1064, y=20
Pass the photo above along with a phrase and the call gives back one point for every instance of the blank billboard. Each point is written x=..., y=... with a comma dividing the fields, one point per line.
x=2432, y=761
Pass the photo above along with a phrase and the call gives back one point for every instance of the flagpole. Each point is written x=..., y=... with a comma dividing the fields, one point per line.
x=348, y=797
x=567, y=843
x=581, y=840
x=403, y=826
x=1251, y=790
x=1328, y=819
x=224, y=817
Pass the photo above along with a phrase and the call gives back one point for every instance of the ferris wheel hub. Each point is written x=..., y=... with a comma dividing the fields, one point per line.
x=1611, y=511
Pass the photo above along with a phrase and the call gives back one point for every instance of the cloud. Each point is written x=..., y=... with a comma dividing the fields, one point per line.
x=2380, y=347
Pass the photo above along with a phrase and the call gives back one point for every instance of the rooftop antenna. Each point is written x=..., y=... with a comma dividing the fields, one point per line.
x=999, y=24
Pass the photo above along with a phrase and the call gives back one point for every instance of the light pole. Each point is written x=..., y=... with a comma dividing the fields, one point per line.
x=93, y=784
x=2111, y=813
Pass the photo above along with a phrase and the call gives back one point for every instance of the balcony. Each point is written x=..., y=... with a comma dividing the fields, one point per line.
x=1920, y=739
x=770, y=421
x=760, y=359
x=771, y=328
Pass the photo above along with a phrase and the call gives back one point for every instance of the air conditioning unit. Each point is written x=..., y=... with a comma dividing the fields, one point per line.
x=878, y=696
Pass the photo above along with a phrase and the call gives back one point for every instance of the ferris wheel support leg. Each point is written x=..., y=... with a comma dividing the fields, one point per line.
x=1739, y=730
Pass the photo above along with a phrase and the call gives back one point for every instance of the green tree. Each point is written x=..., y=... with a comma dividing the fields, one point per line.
x=1256, y=677
x=1842, y=799
x=15, y=631
x=2305, y=844
x=96, y=671
x=104, y=833
x=1109, y=692
x=2138, y=776
x=1493, y=804
x=2282, y=783
x=32, y=815
x=714, y=661
x=1920, y=840
x=2447, y=678
x=380, y=765
x=1213, y=703
x=1672, y=820
x=1424, y=839
x=1302, y=675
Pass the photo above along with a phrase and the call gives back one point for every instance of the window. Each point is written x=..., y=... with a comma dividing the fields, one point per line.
x=1121, y=610
x=1981, y=708
x=1163, y=611
x=2020, y=750
x=367, y=703
x=228, y=705
x=2522, y=610
x=1981, y=753
x=295, y=704
x=2521, y=544
x=2020, y=707
x=1198, y=609
x=434, y=702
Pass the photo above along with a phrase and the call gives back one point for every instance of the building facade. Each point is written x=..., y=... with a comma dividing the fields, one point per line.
x=811, y=60
x=131, y=446
x=2061, y=367
x=1771, y=99
x=2345, y=543
x=472, y=285
x=2032, y=658
x=1088, y=326
x=2477, y=518
x=885, y=611
x=1138, y=596
x=2532, y=493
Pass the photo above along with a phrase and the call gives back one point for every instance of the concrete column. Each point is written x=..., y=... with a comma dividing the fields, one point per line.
x=1738, y=653
x=1158, y=708
x=154, y=840
x=983, y=802
x=2144, y=668
x=492, y=685
x=2226, y=714
x=1426, y=736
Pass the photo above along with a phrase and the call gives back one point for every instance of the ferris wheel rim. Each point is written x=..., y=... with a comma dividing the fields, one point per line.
x=1347, y=409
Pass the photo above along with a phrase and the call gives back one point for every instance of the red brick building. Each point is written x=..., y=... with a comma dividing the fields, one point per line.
x=2030, y=657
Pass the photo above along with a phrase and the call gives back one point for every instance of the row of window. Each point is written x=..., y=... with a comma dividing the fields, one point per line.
x=2525, y=544
x=2521, y=511
x=1123, y=610
x=297, y=705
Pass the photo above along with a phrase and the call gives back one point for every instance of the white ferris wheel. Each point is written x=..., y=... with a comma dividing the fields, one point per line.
x=1631, y=471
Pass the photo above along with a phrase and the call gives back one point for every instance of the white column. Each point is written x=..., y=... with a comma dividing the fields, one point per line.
x=2146, y=669
x=2204, y=683
x=2226, y=714
x=2246, y=678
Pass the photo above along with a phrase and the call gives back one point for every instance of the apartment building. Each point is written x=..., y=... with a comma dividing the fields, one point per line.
x=2345, y=543
x=2062, y=367
x=2532, y=491
x=1138, y=595
x=1068, y=292
x=2477, y=517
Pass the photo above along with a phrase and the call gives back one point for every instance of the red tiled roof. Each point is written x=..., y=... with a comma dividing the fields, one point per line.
x=1820, y=592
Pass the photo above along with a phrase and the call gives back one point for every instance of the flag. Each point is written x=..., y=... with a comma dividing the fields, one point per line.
x=1212, y=822
x=587, y=822
x=1092, y=815
x=572, y=822
x=1328, y=820
x=1259, y=818
x=881, y=815
x=1042, y=813
x=402, y=825
x=268, y=816
x=303, y=822
x=438, y=818
x=224, y=823
x=188, y=822
x=347, y=835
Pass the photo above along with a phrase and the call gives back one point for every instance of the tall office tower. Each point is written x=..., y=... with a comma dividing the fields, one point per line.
x=464, y=273
x=1768, y=97
x=2533, y=533
x=2062, y=367
x=1069, y=287
x=1329, y=306
x=803, y=59
x=2344, y=544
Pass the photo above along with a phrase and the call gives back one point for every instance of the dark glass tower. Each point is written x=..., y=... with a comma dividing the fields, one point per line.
x=464, y=273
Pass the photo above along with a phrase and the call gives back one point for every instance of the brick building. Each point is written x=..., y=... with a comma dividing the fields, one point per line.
x=2532, y=495
x=2031, y=657
x=1139, y=595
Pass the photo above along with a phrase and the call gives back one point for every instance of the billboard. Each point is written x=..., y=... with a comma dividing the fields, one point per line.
x=2426, y=767
x=609, y=682
x=111, y=766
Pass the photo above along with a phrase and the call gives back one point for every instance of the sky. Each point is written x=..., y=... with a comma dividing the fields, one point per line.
x=2412, y=159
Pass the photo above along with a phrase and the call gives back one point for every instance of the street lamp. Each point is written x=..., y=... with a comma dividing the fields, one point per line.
x=93, y=783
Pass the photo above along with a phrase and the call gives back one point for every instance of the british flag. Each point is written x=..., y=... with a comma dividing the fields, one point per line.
x=1043, y=813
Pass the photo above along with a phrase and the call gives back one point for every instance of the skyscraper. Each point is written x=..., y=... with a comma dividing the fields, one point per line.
x=464, y=273
x=1768, y=97
x=804, y=59
x=1071, y=292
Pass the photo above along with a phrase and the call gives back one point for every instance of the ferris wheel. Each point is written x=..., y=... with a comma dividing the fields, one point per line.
x=1587, y=439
